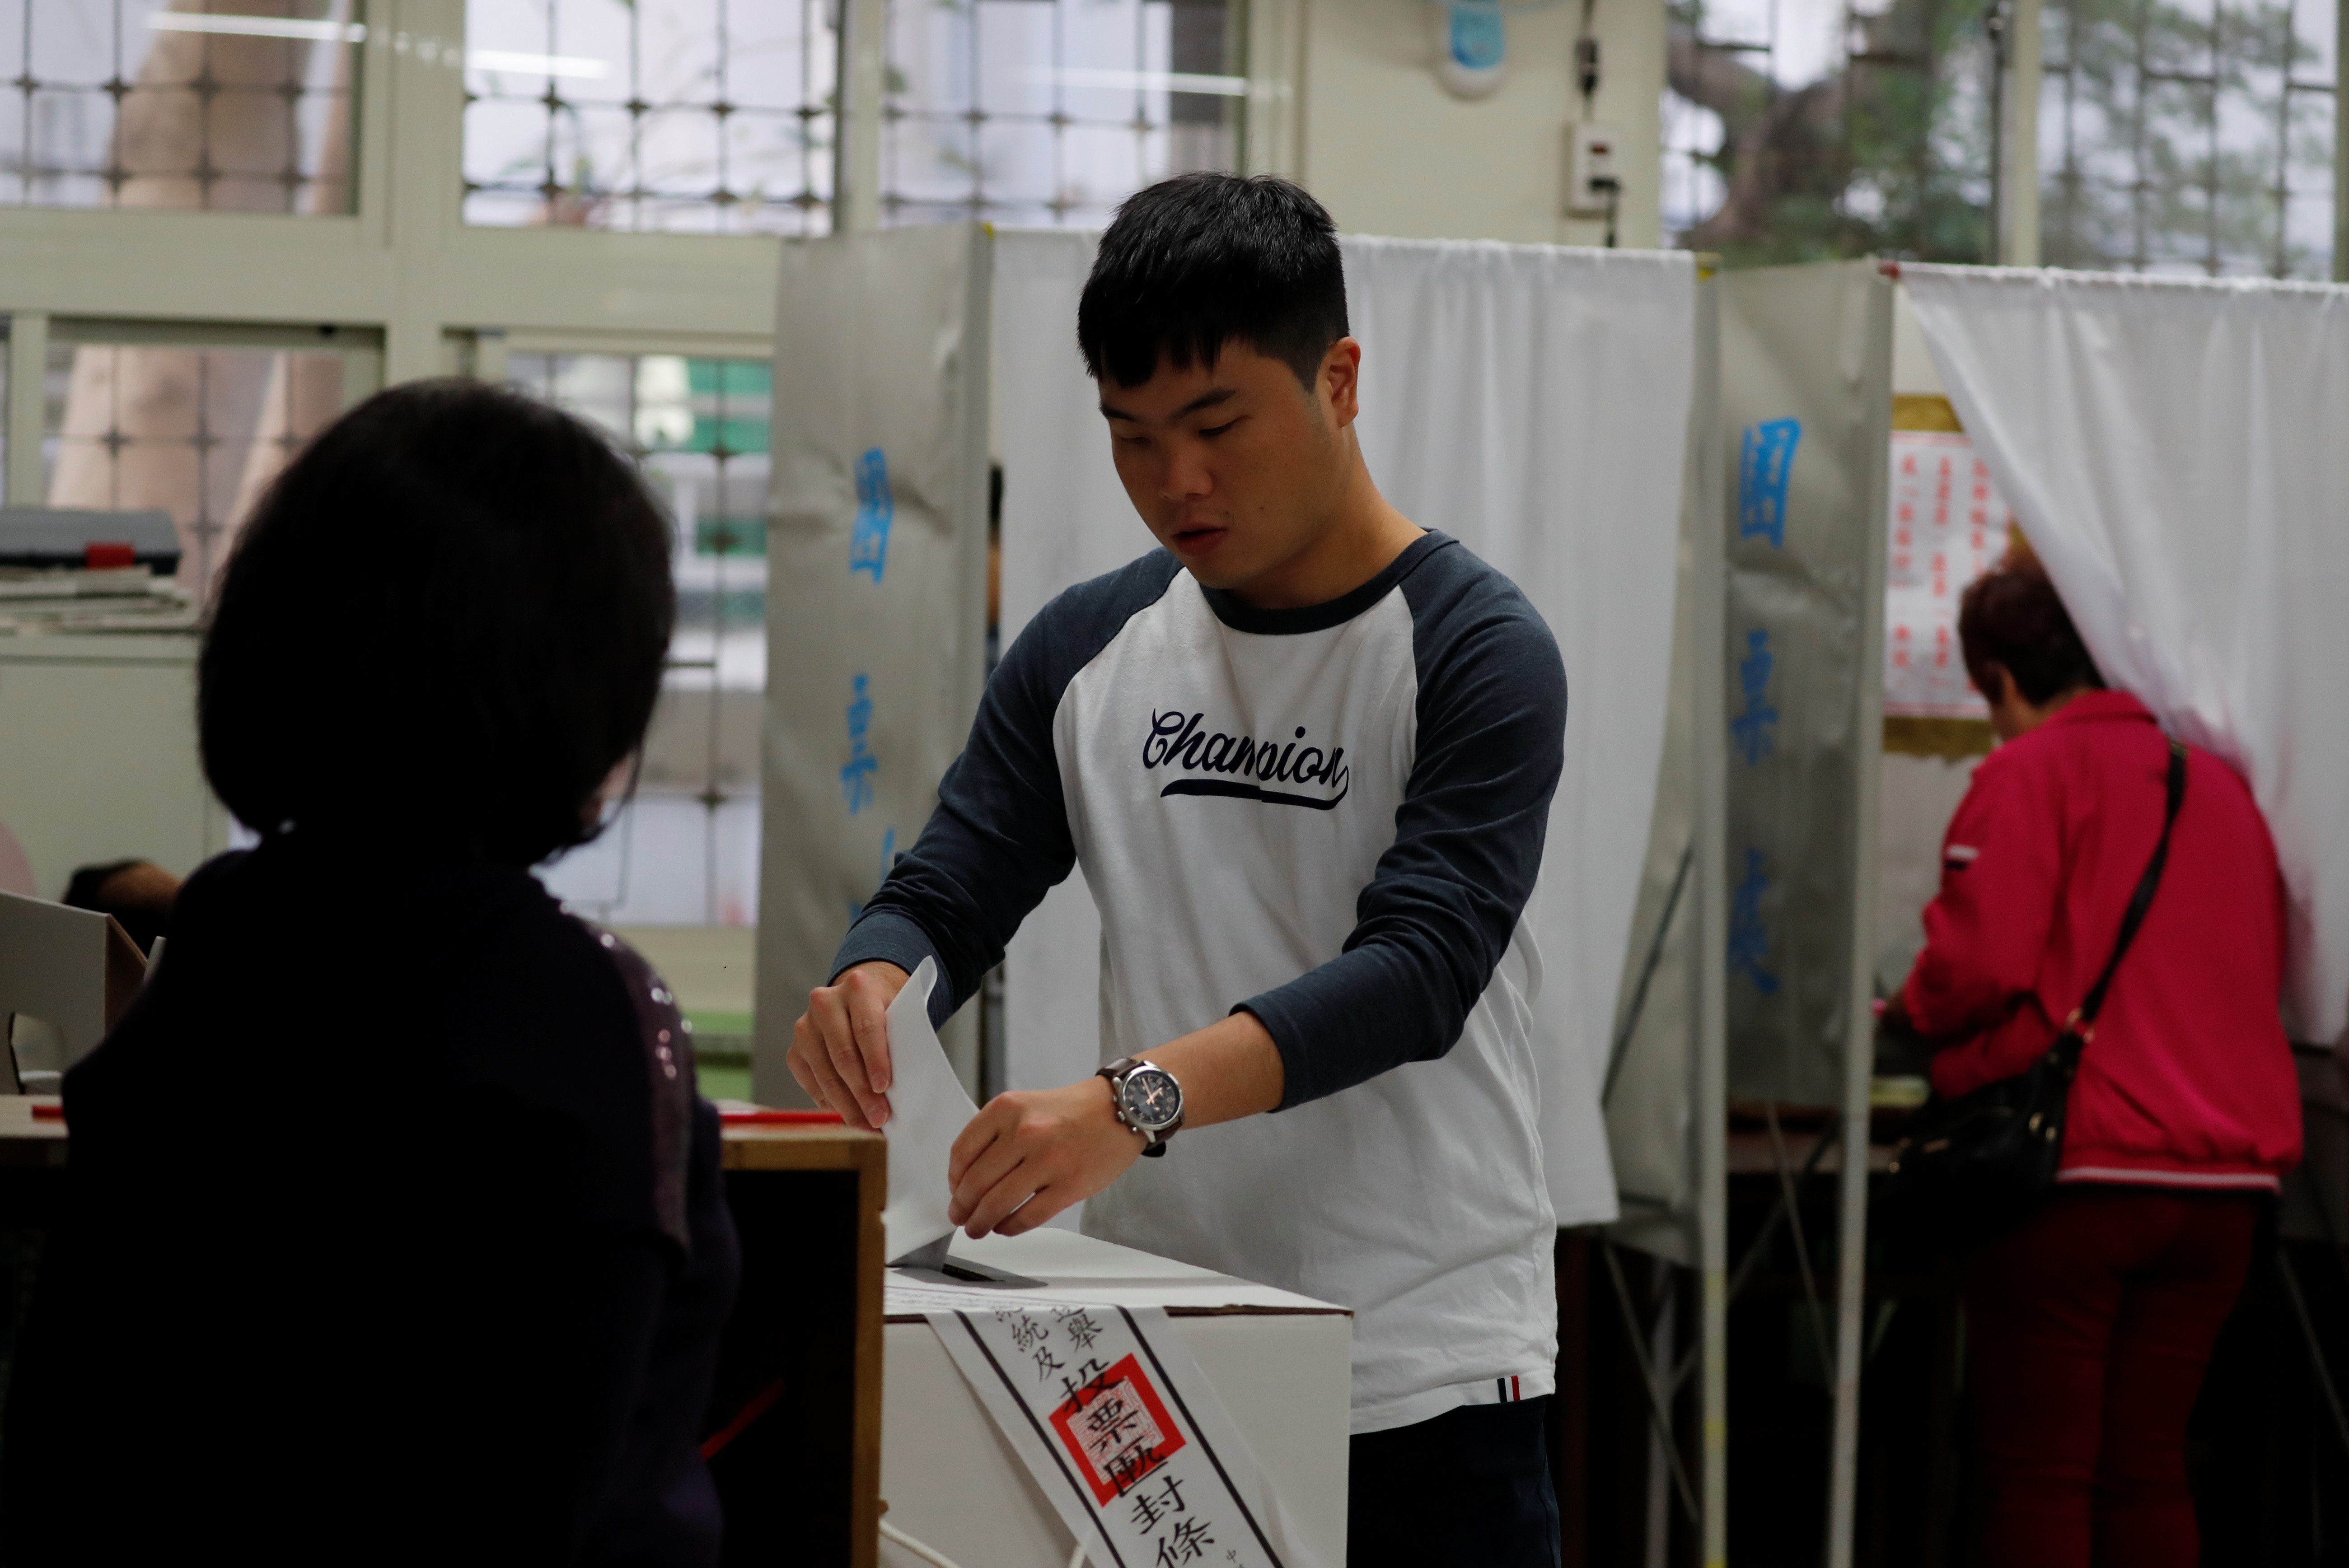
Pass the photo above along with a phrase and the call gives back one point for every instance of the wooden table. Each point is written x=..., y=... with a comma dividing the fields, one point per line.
x=802, y=1482
x=798, y=1369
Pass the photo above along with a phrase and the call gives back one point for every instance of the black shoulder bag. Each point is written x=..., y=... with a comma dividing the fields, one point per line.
x=1976, y=1164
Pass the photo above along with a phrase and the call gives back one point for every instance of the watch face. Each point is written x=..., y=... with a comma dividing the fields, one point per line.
x=1151, y=1097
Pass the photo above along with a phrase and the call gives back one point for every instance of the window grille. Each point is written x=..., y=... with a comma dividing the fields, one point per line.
x=230, y=105
x=1799, y=130
x=703, y=116
x=1704, y=42
x=198, y=432
x=687, y=849
x=1052, y=111
x=2188, y=135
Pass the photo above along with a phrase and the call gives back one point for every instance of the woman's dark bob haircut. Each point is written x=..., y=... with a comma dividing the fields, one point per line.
x=445, y=623
x=2012, y=615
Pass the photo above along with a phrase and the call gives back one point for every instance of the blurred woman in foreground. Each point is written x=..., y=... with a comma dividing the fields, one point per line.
x=2089, y=1324
x=394, y=1230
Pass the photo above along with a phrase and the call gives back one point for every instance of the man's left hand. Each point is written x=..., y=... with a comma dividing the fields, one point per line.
x=1031, y=1153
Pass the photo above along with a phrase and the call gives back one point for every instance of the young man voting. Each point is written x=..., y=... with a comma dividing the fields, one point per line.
x=1305, y=752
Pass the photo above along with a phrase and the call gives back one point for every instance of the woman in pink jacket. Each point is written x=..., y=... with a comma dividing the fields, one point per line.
x=2090, y=1322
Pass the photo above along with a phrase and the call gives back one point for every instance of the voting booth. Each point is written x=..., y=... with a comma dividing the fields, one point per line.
x=1689, y=481
x=2166, y=448
x=1532, y=401
x=1535, y=402
x=2172, y=449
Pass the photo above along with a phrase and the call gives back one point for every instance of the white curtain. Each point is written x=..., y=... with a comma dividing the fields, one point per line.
x=2178, y=453
x=1065, y=519
x=1532, y=401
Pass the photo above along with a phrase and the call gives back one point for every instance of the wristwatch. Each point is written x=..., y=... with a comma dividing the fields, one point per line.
x=1145, y=1099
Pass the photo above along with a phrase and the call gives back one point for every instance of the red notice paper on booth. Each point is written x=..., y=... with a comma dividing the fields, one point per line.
x=1121, y=1432
x=1948, y=526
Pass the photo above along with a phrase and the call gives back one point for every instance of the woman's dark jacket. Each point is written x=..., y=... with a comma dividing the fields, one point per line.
x=392, y=1232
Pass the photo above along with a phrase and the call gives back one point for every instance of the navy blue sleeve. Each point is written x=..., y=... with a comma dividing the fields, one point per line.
x=999, y=839
x=1440, y=910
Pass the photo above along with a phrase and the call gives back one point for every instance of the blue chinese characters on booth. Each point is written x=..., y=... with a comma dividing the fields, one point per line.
x=1766, y=461
x=888, y=860
x=868, y=540
x=1752, y=729
x=856, y=777
x=1749, y=940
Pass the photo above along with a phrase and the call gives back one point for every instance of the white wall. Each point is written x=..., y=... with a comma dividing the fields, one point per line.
x=1389, y=152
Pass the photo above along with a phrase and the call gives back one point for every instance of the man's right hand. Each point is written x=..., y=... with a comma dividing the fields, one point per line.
x=839, y=1047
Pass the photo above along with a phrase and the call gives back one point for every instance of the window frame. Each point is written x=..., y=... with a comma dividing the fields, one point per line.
x=403, y=269
x=404, y=288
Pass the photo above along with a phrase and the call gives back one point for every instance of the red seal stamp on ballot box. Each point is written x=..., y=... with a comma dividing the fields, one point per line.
x=1117, y=1429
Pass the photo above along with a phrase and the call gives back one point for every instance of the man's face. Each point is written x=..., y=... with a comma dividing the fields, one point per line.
x=1235, y=467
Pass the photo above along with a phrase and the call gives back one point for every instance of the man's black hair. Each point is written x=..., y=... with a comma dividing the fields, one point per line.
x=445, y=622
x=1196, y=262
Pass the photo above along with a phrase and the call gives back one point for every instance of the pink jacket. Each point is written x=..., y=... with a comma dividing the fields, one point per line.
x=2188, y=1080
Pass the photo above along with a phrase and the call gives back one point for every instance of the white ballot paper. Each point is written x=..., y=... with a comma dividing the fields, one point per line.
x=1123, y=1433
x=927, y=1111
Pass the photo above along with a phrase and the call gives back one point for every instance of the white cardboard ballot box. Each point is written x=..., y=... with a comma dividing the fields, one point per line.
x=1279, y=1362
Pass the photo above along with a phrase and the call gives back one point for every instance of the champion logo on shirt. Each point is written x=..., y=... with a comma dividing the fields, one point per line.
x=1176, y=741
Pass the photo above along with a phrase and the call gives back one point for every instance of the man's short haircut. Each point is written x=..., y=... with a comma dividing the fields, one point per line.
x=445, y=624
x=2012, y=615
x=1198, y=260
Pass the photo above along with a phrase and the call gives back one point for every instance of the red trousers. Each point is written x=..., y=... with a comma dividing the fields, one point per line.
x=2087, y=1330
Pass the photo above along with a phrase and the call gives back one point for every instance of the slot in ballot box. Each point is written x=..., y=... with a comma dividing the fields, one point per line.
x=1279, y=1362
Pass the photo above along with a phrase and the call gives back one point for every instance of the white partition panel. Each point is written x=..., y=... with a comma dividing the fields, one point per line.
x=1065, y=519
x=1806, y=397
x=876, y=561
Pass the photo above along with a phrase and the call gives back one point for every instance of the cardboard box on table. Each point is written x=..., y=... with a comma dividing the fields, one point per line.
x=1280, y=1364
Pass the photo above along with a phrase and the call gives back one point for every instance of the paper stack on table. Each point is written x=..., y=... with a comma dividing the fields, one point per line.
x=927, y=1111
x=120, y=599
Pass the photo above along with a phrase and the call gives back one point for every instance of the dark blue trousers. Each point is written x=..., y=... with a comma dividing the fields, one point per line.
x=1470, y=1488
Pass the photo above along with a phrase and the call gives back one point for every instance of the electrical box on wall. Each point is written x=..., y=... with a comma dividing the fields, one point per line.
x=1594, y=171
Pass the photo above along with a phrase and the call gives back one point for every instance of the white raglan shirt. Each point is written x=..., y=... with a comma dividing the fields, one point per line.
x=1331, y=817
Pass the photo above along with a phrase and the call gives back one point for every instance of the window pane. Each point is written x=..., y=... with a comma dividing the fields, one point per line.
x=198, y=432
x=685, y=849
x=1052, y=111
x=708, y=116
x=1801, y=130
x=232, y=105
x=2188, y=135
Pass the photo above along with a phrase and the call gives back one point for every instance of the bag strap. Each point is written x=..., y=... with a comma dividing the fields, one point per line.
x=2083, y=1020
